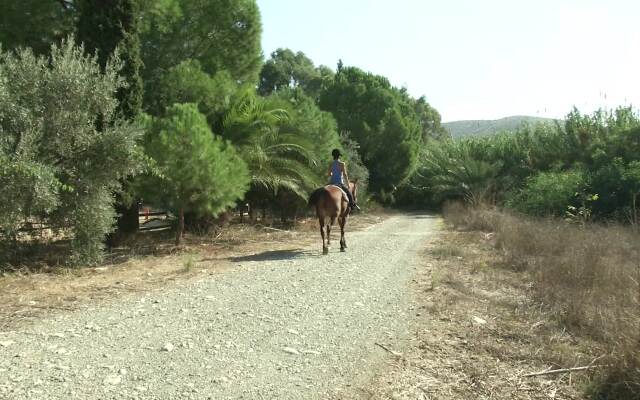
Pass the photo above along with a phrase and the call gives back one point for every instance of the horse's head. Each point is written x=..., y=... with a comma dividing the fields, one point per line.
x=353, y=187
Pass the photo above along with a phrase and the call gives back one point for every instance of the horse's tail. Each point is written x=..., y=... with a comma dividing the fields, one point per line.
x=315, y=196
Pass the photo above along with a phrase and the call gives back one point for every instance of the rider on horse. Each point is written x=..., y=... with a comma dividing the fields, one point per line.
x=338, y=169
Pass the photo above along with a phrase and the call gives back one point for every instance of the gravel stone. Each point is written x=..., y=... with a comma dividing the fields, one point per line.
x=168, y=347
x=112, y=380
x=291, y=350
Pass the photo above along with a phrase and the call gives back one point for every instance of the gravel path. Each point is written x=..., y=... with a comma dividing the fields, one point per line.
x=286, y=325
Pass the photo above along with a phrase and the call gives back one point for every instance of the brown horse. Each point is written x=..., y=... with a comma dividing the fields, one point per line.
x=331, y=203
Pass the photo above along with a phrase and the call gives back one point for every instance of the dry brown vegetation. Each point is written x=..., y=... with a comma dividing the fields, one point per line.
x=586, y=276
x=478, y=332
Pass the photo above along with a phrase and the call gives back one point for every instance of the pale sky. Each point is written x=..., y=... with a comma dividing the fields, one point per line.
x=475, y=59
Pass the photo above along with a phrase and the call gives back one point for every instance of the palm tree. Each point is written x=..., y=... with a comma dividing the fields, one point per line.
x=277, y=160
x=451, y=171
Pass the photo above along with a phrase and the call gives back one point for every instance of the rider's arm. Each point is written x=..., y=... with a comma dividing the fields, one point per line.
x=344, y=171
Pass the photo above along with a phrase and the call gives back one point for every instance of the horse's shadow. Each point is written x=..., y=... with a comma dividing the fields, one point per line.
x=275, y=255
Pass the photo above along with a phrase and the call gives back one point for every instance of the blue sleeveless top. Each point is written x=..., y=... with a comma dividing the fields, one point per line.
x=336, y=173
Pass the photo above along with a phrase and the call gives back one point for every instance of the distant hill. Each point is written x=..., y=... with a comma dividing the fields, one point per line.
x=460, y=129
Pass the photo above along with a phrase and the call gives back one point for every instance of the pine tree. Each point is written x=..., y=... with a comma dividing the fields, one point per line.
x=196, y=171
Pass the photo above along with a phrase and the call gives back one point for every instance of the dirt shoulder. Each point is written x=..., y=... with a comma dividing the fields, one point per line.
x=153, y=262
x=476, y=332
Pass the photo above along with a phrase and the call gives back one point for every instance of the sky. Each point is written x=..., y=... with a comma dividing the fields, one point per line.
x=475, y=59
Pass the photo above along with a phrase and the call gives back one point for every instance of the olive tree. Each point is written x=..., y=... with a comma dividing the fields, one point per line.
x=63, y=150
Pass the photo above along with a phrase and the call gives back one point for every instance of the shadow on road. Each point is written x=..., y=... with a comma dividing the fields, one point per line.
x=275, y=255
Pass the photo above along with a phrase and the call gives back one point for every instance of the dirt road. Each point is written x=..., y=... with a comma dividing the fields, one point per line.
x=285, y=324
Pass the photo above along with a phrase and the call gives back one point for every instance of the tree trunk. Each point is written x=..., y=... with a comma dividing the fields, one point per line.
x=128, y=217
x=180, y=230
x=635, y=211
x=126, y=222
x=251, y=213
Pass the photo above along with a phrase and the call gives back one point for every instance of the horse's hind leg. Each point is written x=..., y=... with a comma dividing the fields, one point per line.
x=325, y=249
x=329, y=225
x=343, y=243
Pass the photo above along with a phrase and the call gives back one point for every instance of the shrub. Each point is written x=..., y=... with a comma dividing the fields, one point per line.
x=549, y=193
x=62, y=149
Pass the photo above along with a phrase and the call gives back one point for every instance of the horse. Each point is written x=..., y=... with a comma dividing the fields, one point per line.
x=331, y=203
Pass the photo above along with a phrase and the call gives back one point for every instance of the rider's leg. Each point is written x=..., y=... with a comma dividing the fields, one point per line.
x=352, y=203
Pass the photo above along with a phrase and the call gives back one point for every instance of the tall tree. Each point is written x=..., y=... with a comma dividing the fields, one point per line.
x=35, y=23
x=220, y=34
x=188, y=83
x=306, y=120
x=286, y=69
x=104, y=25
x=278, y=158
x=383, y=121
x=430, y=120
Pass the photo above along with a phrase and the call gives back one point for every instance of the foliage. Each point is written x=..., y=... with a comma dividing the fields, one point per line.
x=152, y=35
x=321, y=131
x=220, y=34
x=550, y=193
x=355, y=167
x=541, y=168
x=631, y=180
x=449, y=170
x=430, y=121
x=208, y=53
x=188, y=83
x=286, y=69
x=382, y=119
x=35, y=24
x=29, y=189
x=195, y=170
x=103, y=26
x=278, y=157
x=306, y=120
x=60, y=166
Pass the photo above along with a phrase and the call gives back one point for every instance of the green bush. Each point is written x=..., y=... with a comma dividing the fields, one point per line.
x=63, y=151
x=549, y=193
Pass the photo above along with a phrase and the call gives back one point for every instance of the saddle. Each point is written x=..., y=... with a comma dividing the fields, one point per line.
x=345, y=197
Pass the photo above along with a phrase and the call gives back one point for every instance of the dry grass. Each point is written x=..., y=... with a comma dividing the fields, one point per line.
x=446, y=250
x=587, y=276
x=477, y=332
